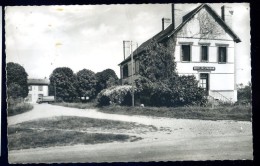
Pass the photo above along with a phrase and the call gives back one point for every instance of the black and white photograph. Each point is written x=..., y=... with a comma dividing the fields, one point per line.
x=128, y=83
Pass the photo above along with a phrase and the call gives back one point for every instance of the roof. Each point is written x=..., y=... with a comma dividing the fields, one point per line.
x=169, y=31
x=38, y=82
x=157, y=37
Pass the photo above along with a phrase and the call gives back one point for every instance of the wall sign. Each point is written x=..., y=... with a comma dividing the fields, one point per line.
x=207, y=68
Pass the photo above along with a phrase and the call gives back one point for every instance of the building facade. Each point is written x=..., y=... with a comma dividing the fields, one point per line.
x=203, y=45
x=37, y=88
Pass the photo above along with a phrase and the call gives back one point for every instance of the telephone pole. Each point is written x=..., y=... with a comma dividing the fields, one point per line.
x=132, y=76
x=132, y=66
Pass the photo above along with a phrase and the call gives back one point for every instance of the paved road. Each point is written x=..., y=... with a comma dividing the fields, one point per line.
x=183, y=140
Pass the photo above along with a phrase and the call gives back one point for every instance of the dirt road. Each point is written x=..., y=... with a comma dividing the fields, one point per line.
x=180, y=139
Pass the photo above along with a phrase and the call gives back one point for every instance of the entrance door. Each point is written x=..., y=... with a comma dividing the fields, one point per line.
x=204, y=82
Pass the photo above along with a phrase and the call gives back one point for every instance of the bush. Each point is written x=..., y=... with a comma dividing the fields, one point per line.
x=17, y=107
x=153, y=94
x=120, y=95
x=180, y=91
x=244, y=94
x=189, y=92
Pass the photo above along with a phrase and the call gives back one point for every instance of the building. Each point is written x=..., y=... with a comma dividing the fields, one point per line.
x=37, y=88
x=202, y=43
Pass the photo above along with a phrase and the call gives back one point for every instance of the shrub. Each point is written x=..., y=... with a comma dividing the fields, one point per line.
x=17, y=107
x=120, y=95
x=180, y=91
x=188, y=91
x=244, y=94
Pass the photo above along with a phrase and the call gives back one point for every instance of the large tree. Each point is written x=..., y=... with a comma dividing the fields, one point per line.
x=105, y=79
x=62, y=83
x=16, y=80
x=86, y=83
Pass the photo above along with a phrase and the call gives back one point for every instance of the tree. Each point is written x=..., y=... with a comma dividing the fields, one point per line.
x=86, y=83
x=14, y=91
x=105, y=79
x=160, y=85
x=62, y=82
x=16, y=81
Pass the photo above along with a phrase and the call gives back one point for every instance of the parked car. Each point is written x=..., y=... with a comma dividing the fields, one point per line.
x=45, y=99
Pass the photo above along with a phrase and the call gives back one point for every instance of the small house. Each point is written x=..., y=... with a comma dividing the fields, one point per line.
x=37, y=88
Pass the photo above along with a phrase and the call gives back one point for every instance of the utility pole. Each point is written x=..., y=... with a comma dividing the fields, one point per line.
x=124, y=49
x=132, y=76
x=132, y=67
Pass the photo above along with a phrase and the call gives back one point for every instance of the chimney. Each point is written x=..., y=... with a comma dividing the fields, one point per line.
x=173, y=19
x=165, y=23
x=177, y=14
x=226, y=15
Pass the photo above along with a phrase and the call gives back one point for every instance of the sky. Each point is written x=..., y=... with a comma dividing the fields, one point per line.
x=42, y=38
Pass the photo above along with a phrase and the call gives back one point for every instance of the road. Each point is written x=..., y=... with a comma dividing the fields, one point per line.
x=181, y=139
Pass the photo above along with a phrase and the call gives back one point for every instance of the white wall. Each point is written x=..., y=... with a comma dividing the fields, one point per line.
x=35, y=92
x=221, y=82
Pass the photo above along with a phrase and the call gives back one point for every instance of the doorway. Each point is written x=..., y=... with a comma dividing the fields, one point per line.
x=204, y=82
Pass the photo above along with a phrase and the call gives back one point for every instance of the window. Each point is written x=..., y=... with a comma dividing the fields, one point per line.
x=222, y=54
x=204, y=53
x=125, y=71
x=30, y=88
x=40, y=96
x=40, y=88
x=185, y=53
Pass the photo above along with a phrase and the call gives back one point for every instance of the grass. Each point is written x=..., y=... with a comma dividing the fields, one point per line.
x=21, y=138
x=60, y=131
x=239, y=113
x=88, y=105
x=82, y=123
x=18, y=108
x=229, y=112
